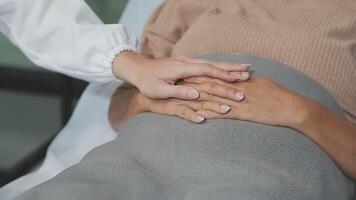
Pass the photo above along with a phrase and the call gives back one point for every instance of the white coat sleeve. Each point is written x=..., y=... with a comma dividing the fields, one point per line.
x=65, y=36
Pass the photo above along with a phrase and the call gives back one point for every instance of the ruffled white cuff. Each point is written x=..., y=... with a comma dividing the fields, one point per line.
x=118, y=43
x=75, y=42
x=108, y=62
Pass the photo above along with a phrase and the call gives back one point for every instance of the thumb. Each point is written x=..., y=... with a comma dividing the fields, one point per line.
x=179, y=92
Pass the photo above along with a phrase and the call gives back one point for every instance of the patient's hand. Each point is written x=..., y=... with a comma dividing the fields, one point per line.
x=265, y=101
x=124, y=105
x=128, y=102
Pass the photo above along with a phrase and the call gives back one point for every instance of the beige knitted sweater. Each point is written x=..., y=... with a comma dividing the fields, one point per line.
x=316, y=37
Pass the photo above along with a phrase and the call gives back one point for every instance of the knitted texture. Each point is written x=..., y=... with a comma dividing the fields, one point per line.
x=315, y=37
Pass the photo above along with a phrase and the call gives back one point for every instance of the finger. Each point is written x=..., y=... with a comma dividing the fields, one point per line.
x=185, y=112
x=201, y=80
x=219, y=90
x=208, y=114
x=227, y=66
x=239, y=113
x=206, y=105
x=208, y=97
x=189, y=70
x=166, y=107
x=179, y=92
x=216, y=107
x=188, y=113
x=241, y=76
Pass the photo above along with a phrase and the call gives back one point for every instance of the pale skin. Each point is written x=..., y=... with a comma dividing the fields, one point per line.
x=156, y=78
x=264, y=101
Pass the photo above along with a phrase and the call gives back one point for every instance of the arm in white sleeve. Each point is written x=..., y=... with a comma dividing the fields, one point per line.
x=65, y=36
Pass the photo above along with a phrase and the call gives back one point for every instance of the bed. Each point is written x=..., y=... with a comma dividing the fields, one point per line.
x=84, y=131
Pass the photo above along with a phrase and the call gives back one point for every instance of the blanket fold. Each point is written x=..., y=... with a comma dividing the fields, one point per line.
x=165, y=158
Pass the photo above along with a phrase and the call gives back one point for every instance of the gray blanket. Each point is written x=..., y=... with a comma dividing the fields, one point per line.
x=165, y=158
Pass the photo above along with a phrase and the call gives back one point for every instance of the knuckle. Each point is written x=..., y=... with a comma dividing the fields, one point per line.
x=212, y=115
x=193, y=105
x=203, y=96
x=211, y=97
x=242, y=112
x=212, y=106
x=210, y=86
x=230, y=90
x=178, y=111
x=218, y=106
x=204, y=105
x=170, y=108
x=184, y=111
x=187, y=114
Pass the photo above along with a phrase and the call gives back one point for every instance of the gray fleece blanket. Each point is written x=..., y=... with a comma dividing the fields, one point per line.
x=165, y=158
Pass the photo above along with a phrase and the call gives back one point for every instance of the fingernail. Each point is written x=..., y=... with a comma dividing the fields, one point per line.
x=246, y=65
x=236, y=75
x=200, y=119
x=239, y=96
x=225, y=108
x=245, y=74
x=193, y=94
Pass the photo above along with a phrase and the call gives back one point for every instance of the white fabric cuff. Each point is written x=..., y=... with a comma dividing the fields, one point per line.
x=108, y=62
x=118, y=42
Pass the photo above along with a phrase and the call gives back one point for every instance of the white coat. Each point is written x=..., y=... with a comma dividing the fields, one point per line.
x=65, y=36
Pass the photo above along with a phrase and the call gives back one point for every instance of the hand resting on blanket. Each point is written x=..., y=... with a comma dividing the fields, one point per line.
x=161, y=157
x=138, y=103
x=264, y=101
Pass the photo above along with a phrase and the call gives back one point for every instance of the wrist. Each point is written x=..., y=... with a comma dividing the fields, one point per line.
x=302, y=113
x=310, y=113
x=141, y=102
x=126, y=67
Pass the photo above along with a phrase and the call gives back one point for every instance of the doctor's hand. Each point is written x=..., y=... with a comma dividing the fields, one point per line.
x=157, y=78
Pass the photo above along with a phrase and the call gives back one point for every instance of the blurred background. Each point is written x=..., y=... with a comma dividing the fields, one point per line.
x=34, y=103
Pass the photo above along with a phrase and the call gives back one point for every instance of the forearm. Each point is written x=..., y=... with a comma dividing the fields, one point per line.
x=334, y=134
x=65, y=36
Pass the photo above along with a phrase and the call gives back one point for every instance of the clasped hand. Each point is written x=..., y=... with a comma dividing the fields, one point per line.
x=254, y=99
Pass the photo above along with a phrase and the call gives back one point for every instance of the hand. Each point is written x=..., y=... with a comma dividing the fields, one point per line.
x=128, y=102
x=124, y=105
x=265, y=101
x=156, y=78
